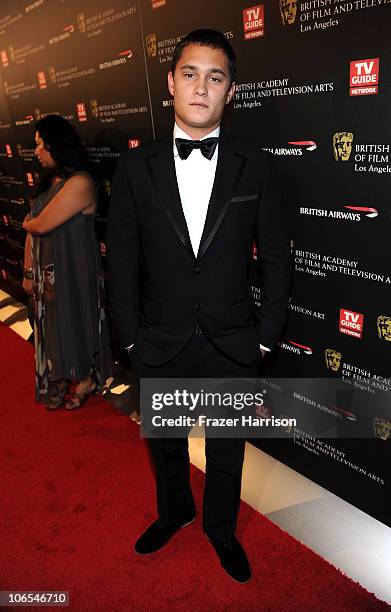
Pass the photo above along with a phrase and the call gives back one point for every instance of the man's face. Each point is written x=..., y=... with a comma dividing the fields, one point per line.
x=201, y=89
x=288, y=11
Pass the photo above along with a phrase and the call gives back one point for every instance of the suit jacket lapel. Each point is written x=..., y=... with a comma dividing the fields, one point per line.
x=161, y=167
x=230, y=166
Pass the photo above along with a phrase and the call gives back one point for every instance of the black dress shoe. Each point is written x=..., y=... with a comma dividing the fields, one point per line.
x=233, y=559
x=157, y=536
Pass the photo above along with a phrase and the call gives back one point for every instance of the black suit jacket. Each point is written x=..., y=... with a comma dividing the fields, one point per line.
x=159, y=289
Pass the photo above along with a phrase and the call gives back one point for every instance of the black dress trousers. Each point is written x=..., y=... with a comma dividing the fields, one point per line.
x=224, y=457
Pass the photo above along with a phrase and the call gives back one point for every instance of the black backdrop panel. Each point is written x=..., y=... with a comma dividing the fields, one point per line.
x=314, y=80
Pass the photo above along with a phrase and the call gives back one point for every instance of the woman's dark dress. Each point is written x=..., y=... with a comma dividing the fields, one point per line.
x=70, y=331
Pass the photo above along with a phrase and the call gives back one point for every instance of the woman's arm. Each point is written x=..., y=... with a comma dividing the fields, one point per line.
x=28, y=264
x=28, y=260
x=78, y=194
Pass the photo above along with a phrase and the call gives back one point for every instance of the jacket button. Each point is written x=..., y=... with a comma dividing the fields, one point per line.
x=199, y=306
x=197, y=270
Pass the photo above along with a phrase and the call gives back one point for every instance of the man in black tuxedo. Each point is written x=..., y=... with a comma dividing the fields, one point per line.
x=182, y=219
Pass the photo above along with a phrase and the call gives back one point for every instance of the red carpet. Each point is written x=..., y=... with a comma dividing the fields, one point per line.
x=76, y=492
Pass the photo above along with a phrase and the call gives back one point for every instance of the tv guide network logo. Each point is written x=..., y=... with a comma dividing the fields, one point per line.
x=364, y=77
x=254, y=22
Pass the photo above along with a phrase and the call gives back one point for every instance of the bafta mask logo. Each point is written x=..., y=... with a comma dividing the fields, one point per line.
x=52, y=74
x=288, y=429
x=11, y=53
x=19, y=150
x=342, y=145
x=94, y=108
x=382, y=428
x=288, y=10
x=81, y=22
x=333, y=359
x=36, y=113
x=6, y=88
x=107, y=187
x=151, y=42
x=384, y=327
x=4, y=58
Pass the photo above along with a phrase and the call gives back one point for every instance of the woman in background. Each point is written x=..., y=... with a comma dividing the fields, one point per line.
x=63, y=270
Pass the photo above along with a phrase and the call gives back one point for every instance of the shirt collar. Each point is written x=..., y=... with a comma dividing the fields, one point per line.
x=179, y=133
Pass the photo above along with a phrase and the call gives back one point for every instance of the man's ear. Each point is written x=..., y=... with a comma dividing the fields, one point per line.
x=231, y=93
x=170, y=83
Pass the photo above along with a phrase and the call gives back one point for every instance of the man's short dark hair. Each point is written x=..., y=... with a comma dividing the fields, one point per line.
x=207, y=38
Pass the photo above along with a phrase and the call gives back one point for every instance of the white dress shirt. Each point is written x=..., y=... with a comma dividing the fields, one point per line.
x=195, y=177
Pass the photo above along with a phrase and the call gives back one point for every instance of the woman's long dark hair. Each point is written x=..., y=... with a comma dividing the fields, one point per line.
x=64, y=145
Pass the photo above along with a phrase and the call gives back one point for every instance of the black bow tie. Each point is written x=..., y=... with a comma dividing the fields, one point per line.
x=206, y=146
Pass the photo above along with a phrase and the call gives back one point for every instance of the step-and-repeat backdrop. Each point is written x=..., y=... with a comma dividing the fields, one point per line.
x=314, y=82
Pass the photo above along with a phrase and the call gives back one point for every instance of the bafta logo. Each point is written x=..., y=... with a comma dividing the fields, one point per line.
x=384, y=327
x=19, y=150
x=287, y=428
x=52, y=74
x=151, y=42
x=342, y=145
x=333, y=359
x=81, y=22
x=36, y=113
x=6, y=88
x=288, y=10
x=107, y=187
x=94, y=108
x=11, y=53
x=382, y=428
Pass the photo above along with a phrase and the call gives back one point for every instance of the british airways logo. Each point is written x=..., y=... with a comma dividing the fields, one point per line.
x=309, y=145
x=296, y=347
x=295, y=148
